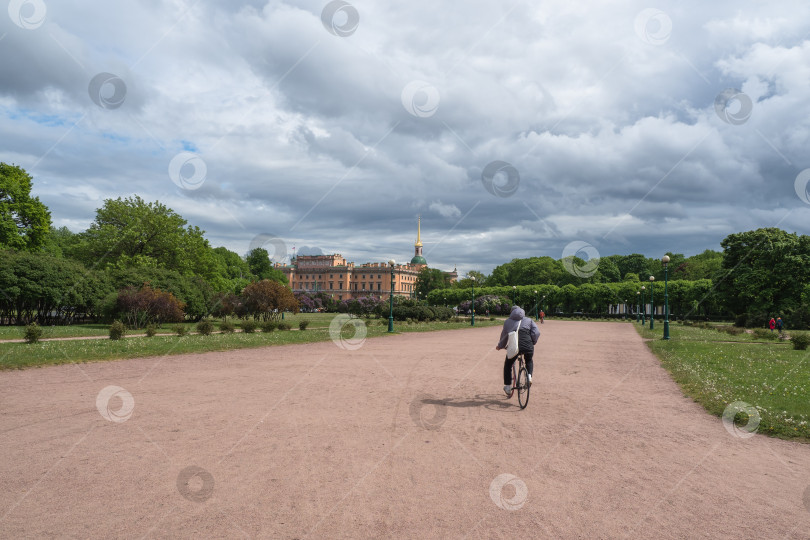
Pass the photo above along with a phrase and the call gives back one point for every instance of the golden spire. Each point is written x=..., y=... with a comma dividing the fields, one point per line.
x=419, y=233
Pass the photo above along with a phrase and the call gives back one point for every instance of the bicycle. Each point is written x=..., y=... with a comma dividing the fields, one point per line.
x=520, y=381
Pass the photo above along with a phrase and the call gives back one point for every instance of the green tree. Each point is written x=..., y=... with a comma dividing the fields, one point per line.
x=430, y=279
x=258, y=260
x=50, y=290
x=609, y=270
x=24, y=221
x=133, y=233
x=702, y=266
x=763, y=271
x=634, y=263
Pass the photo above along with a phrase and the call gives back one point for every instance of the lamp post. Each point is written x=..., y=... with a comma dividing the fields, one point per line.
x=625, y=310
x=536, y=311
x=472, y=306
x=543, y=301
x=652, y=303
x=391, y=263
x=638, y=297
x=643, y=305
x=665, y=260
x=514, y=293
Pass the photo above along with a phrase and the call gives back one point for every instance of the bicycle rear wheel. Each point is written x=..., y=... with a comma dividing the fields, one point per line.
x=523, y=387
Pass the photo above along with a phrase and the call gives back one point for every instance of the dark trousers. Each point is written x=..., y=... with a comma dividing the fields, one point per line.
x=507, y=366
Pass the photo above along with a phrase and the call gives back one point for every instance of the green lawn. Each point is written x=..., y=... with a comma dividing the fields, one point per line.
x=20, y=355
x=768, y=375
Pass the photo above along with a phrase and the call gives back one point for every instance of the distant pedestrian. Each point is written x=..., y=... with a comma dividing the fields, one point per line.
x=779, y=324
x=772, y=324
x=542, y=316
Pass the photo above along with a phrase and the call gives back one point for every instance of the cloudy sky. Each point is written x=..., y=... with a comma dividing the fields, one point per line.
x=515, y=129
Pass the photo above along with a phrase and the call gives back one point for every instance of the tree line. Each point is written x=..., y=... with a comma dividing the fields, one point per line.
x=55, y=276
x=137, y=261
x=759, y=274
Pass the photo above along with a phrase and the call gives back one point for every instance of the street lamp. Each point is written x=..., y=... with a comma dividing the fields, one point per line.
x=638, y=297
x=536, y=313
x=472, y=306
x=514, y=293
x=625, y=309
x=391, y=263
x=652, y=303
x=543, y=301
x=665, y=260
x=643, y=305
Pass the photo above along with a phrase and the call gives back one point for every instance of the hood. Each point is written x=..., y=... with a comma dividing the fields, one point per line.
x=517, y=314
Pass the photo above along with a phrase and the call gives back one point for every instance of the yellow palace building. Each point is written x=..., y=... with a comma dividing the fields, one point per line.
x=342, y=280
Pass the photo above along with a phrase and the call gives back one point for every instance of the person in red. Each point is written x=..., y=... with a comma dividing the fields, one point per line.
x=542, y=316
x=772, y=324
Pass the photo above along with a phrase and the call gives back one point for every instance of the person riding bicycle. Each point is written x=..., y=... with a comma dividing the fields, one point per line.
x=527, y=338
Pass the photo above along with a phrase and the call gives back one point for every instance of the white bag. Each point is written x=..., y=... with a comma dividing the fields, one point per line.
x=512, y=342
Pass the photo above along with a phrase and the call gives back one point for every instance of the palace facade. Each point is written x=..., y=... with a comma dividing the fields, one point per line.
x=343, y=280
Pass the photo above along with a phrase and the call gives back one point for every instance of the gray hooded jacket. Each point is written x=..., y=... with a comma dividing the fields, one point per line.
x=518, y=319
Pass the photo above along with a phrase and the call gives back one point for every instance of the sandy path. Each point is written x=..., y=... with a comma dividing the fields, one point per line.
x=405, y=437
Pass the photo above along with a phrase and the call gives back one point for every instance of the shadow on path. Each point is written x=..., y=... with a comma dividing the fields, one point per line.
x=489, y=401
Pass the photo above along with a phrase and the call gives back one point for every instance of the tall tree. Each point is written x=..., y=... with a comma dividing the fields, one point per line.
x=133, y=233
x=258, y=260
x=24, y=221
x=763, y=271
x=430, y=279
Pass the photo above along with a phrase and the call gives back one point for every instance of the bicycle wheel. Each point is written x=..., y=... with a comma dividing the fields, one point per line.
x=523, y=387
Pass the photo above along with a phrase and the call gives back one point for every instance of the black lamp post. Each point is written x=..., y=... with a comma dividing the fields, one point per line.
x=665, y=260
x=536, y=311
x=638, y=297
x=391, y=263
x=652, y=303
x=514, y=294
x=472, y=306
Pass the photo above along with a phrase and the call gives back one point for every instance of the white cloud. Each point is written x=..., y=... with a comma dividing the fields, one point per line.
x=445, y=210
x=304, y=133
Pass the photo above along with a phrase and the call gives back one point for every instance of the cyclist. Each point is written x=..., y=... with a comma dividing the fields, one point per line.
x=527, y=338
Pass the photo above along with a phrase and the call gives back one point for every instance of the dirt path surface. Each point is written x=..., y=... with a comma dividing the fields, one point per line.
x=407, y=436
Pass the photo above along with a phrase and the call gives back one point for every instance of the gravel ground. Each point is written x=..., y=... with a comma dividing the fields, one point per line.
x=408, y=436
